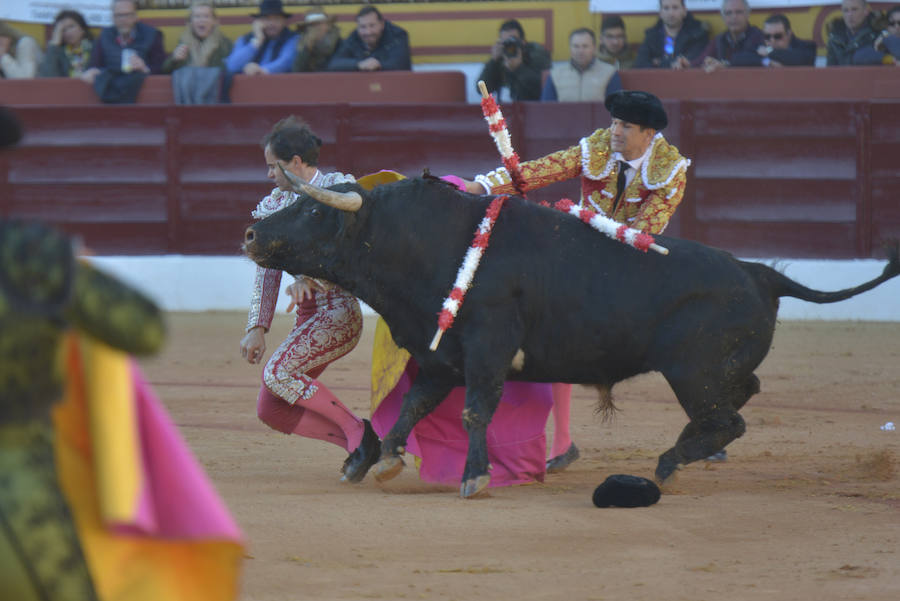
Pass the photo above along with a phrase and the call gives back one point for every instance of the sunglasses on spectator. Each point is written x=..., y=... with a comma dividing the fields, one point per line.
x=773, y=36
x=894, y=23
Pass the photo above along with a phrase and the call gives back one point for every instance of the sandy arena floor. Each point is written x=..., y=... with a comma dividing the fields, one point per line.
x=807, y=506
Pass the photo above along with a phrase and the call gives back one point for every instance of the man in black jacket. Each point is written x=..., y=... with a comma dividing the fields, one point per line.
x=376, y=45
x=516, y=64
x=855, y=30
x=676, y=36
x=782, y=47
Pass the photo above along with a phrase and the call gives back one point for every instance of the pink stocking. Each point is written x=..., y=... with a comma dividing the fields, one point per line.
x=562, y=399
x=322, y=417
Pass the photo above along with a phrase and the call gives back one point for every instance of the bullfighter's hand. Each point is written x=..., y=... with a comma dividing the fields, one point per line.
x=300, y=290
x=473, y=187
x=253, y=345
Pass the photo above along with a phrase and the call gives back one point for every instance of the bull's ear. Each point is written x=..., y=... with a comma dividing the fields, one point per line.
x=344, y=201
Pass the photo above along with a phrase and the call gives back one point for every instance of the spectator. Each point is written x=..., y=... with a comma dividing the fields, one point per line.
x=584, y=77
x=613, y=48
x=676, y=39
x=376, y=45
x=857, y=29
x=19, y=54
x=269, y=48
x=202, y=43
x=124, y=54
x=515, y=64
x=197, y=64
x=319, y=40
x=886, y=47
x=782, y=47
x=69, y=48
x=739, y=40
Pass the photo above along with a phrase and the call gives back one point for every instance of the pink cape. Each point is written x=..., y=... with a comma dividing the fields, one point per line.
x=517, y=442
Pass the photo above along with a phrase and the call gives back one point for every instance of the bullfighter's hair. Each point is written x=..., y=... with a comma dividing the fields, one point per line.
x=292, y=137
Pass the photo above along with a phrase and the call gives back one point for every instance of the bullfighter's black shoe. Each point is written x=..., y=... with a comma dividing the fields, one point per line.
x=364, y=457
x=561, y=462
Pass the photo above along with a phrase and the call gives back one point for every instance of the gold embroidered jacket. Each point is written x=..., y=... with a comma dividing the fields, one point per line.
x=647, y=203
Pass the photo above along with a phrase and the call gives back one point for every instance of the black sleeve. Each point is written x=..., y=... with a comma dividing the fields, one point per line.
x=643, y=61
x=803, y=54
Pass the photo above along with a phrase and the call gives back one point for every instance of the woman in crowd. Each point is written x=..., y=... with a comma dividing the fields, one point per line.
x=19, y=54
x=69, y=48
x=201, y=43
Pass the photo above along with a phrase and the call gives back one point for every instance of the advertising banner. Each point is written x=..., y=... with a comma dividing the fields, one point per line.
x=97, y=13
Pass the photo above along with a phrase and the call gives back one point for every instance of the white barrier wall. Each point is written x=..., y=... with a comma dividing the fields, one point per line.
x=195, y=283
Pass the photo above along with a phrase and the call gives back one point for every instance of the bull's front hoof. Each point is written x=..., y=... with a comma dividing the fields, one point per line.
x=388, y=468
x=364, y=457
x=666, y=467
x=474, y=486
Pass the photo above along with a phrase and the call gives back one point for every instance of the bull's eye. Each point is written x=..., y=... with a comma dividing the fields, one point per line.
x=315, y=212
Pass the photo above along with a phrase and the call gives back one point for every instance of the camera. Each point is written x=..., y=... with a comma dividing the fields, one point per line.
x=512, y=47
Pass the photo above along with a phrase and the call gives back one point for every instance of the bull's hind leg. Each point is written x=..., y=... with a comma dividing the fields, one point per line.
x=423, y=396
x=714, y=420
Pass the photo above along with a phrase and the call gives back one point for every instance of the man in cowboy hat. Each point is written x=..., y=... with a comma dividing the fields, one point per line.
x=319, y=38
x=629, y=173
x=269, y=48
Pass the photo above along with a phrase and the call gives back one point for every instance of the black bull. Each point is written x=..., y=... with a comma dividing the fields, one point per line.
x=552, y=301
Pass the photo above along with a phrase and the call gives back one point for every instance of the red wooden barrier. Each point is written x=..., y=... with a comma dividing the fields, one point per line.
x=792, y=178
x=380, y=87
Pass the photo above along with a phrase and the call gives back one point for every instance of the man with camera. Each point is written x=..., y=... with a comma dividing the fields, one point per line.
x=515, y=64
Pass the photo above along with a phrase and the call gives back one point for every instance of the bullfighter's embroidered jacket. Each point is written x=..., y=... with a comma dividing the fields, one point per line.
x=268, y=281
x=647, y=203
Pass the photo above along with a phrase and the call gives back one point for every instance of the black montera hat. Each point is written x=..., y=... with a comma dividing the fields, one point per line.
x=10, y=128
x=640, y=108
x=270, y=7
x=623, y=490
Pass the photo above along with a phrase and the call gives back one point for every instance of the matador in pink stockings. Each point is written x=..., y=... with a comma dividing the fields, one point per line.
x=327, y=327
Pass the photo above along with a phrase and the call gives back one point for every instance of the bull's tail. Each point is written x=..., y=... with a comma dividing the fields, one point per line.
x=782, y=285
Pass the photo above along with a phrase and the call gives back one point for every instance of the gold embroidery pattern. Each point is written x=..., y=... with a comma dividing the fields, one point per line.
x=649, y=200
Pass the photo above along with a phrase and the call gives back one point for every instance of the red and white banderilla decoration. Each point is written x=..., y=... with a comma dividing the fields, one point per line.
x=466, y=273
x=467, y=270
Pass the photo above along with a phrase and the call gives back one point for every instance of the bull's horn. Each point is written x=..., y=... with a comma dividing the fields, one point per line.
x=344, y=201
